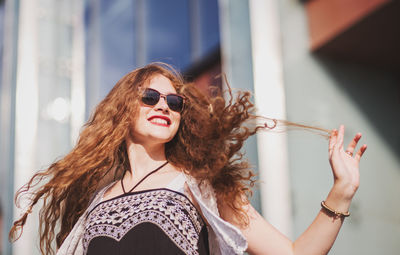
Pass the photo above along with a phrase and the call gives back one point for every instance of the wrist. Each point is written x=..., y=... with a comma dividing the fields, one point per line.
x=343, y=190
x=339, y=198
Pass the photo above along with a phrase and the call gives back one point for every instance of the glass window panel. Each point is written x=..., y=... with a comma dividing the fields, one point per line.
x=168, y=37
x=116, y=42
x=209, y=25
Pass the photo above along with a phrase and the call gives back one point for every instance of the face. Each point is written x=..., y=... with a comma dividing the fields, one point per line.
x=156, y=123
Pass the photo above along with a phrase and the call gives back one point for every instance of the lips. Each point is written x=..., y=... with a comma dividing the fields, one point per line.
x=160, y=120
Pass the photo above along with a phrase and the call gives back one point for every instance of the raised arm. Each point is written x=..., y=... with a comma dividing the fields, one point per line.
x=319, y=237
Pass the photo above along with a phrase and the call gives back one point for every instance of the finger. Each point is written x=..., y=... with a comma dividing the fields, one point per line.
x=352, y=145
x=332, y=141
x=360, y=152
x=339, y=142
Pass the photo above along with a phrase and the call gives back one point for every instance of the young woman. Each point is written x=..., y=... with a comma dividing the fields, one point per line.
x=158, y=170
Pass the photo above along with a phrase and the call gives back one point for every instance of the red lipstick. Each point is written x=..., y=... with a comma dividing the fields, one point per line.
x=168, y=120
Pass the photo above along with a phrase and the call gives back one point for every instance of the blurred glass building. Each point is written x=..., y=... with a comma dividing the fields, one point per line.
x=319, y=62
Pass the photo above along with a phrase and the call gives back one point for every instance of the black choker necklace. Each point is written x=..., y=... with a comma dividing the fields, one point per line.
x=137, y=184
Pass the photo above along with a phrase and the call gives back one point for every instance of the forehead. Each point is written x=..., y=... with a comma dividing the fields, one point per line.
x=162, y=84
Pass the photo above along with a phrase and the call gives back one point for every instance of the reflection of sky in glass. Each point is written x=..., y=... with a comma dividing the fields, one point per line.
x=168, y=32
x=209, y=25
x=165, y=35
x=117, y=40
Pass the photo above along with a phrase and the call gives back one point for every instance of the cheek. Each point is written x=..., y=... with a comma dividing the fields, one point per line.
x=139, y=119
x=177, y=121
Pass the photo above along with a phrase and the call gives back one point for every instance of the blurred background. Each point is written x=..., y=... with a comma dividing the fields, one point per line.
x=319, y=62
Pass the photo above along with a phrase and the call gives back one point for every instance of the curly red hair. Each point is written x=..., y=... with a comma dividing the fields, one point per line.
x=207, y=146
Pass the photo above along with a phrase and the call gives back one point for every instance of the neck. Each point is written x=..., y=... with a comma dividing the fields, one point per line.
x=144, y=158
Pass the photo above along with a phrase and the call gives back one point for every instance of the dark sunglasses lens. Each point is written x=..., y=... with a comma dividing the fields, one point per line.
x=175, y=102
x=150, y=97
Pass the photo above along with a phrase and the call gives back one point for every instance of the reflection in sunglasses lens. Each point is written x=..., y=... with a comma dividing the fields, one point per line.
x=174, y=102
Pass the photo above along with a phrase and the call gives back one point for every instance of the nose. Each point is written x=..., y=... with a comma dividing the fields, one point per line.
x=162, y=104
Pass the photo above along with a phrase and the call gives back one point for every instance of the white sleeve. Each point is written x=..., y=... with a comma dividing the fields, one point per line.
x=72, y=245
x=224, y=238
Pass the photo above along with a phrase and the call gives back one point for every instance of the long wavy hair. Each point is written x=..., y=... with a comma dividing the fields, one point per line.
x=207, y=146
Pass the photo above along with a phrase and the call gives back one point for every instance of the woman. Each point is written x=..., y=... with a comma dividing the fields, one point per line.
x=157, y=169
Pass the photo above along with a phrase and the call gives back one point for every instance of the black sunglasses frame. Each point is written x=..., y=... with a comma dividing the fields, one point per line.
x=167, y=98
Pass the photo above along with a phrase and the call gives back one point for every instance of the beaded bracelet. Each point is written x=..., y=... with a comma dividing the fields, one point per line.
x=337, y=214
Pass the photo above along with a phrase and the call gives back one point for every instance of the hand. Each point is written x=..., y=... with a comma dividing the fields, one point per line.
x=345, y=166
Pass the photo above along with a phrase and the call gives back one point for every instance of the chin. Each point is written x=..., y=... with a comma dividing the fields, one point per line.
x=161, y=138
x=165, y=136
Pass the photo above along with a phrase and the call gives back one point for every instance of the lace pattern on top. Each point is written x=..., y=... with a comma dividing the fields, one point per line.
x=170, y=211
x=224, y=237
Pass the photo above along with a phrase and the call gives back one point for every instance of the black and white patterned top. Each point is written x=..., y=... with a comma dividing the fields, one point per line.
x=157, y=221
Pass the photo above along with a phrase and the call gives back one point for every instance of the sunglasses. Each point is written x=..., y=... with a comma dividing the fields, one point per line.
x=151, y=97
